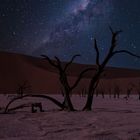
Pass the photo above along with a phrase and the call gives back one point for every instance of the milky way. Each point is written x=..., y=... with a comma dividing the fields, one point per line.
x=81, y=19
x=66, y=27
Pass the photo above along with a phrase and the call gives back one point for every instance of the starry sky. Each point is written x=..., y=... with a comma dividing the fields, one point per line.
x=66, y=27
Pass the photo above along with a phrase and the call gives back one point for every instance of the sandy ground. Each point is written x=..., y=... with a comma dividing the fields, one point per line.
x=111, y=119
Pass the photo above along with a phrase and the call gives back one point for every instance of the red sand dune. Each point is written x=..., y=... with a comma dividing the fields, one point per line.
x=16, y=68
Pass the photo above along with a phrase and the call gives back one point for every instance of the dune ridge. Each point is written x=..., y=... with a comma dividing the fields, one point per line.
x=17, y=68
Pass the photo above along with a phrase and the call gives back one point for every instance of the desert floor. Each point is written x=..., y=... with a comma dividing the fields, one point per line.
x=111, y=119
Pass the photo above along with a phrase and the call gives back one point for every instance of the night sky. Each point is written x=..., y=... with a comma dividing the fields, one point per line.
x=66, y=27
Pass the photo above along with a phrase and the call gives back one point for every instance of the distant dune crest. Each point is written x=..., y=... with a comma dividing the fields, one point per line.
x=17, y=68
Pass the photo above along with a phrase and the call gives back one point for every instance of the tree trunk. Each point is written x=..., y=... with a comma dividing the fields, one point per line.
x=88, y=106
x=67, y=103
x=91, y=92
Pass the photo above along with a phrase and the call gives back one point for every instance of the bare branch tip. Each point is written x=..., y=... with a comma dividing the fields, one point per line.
x=115, y=32
x=111, y=29
x=42, y=55
x=78, y=55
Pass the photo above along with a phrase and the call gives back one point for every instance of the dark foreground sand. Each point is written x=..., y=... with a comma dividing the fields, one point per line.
x=111, y=119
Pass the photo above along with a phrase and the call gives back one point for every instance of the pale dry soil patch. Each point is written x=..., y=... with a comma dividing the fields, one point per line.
x=111, y=119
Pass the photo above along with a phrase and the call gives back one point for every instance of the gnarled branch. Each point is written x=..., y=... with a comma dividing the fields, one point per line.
x=127, y=52
x=113, y=40
x=31, y=95
x=113, y=46
x=97, y=53
x=58, y=61
x=49, y=60
x=80, y=77
x=70, y=62
x=116, y=32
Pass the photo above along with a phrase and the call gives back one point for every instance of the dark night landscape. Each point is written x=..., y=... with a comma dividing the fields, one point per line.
x=69, y=70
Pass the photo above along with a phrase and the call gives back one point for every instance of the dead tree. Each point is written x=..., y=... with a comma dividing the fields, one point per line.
x=138, y=89
x=129, y=89
x=22, y=88
x=67, y=88
x=101, y=66
x=102, y=90
x=117, y=91
x=109, y=90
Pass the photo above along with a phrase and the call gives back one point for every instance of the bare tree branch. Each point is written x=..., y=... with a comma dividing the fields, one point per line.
x=116, y=32
x=127, y=52
x=58, y=63
x=111, y=29
x=70, y=62
x=113, y=40
x=80, y=77
x=58, y=60
x=113, y=46
x=94, y=80
x=18, y=107
x=97, y=53
x=49, y=60
x=64, y=80
x=37, y=95
x=95, y=85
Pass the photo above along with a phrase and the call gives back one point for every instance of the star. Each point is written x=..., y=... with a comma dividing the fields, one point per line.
x=65, y=27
